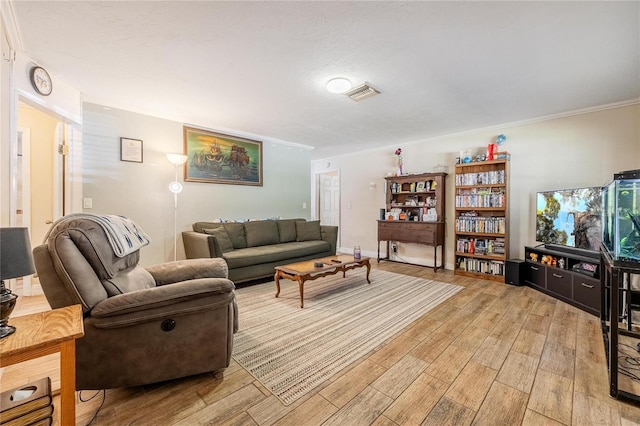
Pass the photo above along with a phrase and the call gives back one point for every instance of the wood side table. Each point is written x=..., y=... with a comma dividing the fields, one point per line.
x=46, y=333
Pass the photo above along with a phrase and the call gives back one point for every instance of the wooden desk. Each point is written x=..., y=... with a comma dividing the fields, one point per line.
x=46, y=333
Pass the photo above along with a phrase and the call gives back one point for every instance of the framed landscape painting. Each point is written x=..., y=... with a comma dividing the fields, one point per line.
x=218, y=158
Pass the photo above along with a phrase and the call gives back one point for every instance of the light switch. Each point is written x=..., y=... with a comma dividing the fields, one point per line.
x=87, y=203
x=304, y=205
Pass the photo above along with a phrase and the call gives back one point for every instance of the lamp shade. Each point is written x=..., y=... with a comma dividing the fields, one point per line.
x=177, y=159
x=15, y=253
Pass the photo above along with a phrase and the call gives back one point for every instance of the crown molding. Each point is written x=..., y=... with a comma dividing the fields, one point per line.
x=254, y=136
x=10, y=25
x=498, y=128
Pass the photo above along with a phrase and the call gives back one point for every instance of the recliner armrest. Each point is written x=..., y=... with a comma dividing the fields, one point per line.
x=183, y=270
x=173, y=300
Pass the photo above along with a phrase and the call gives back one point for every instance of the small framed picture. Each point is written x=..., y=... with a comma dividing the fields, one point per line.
x=420, y=187
x=131, y=150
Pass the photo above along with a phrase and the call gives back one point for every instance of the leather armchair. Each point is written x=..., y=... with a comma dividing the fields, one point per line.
x=142, y=325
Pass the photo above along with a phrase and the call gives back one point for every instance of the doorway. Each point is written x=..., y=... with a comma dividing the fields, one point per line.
x=328, y=200
x=39, y=175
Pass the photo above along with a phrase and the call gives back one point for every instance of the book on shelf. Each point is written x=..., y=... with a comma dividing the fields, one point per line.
x=489, y=267
x=25, y=399
x=496, y=177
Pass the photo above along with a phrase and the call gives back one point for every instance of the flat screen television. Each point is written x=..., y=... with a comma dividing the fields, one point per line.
x=570, y=217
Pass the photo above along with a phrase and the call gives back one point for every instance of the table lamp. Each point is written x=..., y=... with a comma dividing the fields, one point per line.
x=15, y=261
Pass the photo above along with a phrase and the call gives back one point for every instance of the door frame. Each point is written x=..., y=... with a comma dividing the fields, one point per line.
x=318, y=196
x=69, y=195
x=24, y=134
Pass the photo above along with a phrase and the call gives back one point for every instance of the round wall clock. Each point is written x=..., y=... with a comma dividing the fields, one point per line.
x=41, y=81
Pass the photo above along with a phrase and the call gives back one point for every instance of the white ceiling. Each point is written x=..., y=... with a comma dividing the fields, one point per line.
x=261, y=67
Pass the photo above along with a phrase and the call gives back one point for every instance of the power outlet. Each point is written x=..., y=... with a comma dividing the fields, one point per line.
x=394, y=247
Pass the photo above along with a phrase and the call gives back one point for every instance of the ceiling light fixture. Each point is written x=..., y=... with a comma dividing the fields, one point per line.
x=338, y=85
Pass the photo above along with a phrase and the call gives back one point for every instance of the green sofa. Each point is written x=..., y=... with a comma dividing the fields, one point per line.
x=252, y=249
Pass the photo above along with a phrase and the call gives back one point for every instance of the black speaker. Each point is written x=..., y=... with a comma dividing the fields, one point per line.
x=514, y=272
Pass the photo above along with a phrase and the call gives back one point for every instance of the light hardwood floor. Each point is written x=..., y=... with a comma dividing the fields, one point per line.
x=493, y=354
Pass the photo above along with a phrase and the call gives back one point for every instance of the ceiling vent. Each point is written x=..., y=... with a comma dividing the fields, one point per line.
x=362, y=92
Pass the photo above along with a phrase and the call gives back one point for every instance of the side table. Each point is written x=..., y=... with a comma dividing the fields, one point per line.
x=46, y=333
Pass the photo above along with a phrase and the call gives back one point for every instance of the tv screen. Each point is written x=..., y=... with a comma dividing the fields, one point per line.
x=570, y=217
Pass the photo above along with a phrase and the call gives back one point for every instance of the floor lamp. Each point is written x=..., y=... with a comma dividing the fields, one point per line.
x=176, y=187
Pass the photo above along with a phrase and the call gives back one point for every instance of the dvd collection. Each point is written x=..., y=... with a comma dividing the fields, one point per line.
x=487, y=225
x=481, y=198
x=482, y=178
x=493, y=267
x=480, y=246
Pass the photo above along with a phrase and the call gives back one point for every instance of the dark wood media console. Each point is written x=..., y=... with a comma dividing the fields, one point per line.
x=572, y=275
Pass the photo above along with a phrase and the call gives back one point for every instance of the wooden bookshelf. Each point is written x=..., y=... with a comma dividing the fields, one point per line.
x=418, y=202
x=481, y=223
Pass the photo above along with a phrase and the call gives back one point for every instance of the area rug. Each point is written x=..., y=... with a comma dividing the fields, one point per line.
x=292, y=350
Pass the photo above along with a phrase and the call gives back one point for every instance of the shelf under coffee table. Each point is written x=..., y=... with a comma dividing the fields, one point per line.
x=307, y=271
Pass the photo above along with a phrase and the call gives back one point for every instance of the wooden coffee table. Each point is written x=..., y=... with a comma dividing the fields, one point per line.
x=307, y=271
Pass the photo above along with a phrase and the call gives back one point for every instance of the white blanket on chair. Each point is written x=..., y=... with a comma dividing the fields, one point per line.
x=124, y=235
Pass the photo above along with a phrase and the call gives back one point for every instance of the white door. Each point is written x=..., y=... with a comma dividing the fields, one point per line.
x=23, y=189
x=329, y=199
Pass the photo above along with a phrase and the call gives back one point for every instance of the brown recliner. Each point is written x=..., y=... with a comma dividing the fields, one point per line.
x=142, y=325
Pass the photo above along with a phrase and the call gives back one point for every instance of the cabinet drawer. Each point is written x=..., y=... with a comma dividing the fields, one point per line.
x=560, y=282
x=586, y=291
x=534, y=274
x=410, y=232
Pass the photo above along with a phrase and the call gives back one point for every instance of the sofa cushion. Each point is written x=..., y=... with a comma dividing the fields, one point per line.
x=261, y=233
x=287, y=253
x=201, y=226
x=222, y=236
x=308, y=231
x=236, y=234
x=287, y=230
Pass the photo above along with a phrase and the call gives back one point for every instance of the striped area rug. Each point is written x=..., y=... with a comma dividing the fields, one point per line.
x=292, y=350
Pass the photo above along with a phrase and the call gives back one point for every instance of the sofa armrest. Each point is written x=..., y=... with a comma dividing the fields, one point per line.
x=169, y=301
x=330, y=234
x=184, y=270
x=198, y=245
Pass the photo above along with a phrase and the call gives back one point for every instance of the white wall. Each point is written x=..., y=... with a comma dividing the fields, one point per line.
x=63, y=103
x=573, y=151
x=140, y=190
